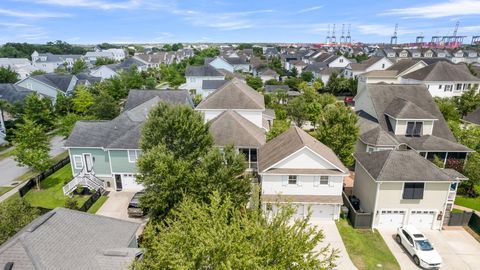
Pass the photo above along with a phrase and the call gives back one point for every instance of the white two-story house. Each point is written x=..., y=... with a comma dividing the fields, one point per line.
x=443, y=79
x=352, y=70
x=298, y=169
x=195, y=75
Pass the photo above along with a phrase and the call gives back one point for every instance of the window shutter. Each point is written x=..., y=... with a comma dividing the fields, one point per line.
x=299, y=183
x=284, y=180
x=330, y=182
x=316, y=181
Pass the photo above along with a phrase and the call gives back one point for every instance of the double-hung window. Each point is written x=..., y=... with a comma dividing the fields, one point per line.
x=323, y=180
x=413, y=191
x=77, y=162
x=414, y=129
x=292, y=179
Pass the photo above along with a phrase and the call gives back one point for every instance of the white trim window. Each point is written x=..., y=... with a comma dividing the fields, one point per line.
x=292, y=179
x=77, y=162
x=324, y=180
x=133, y=155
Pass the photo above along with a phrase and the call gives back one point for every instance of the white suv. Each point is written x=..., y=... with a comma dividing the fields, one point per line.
x=423, y=253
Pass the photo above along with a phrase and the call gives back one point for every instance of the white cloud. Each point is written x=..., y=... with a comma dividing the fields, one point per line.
x=439, y=10
x=94, y=4
x=32, y=14
x=309, y=9
x=222, y=21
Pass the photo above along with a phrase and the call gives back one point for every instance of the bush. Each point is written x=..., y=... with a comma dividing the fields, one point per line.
x=71, y=203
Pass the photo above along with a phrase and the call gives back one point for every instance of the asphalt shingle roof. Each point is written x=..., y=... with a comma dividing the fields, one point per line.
x=57, y=81
x=400, y=108
x=442, y=71
x=205, y=70
x=213, y=84
x=396, y=165
x=291, y=141
x=234, y=95
x=231, y=128
x=69, y=239
x=13, y=93
x=473, y=117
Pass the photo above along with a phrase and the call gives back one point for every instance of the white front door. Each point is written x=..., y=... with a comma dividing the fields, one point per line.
x=322, y=211
x=422, y=219
x=391, y=218
x=87, y=162
x=129, y=183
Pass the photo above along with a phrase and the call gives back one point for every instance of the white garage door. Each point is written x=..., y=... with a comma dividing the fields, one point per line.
x=422, y=219
x=391, y=218
x=299, y=211
x=322, y=211
x=129, y=184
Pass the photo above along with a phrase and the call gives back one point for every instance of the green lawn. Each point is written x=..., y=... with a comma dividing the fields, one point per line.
x=366, y=248
x=94, y=208
x=51, y=194
x=473, y=203
x=4, y=190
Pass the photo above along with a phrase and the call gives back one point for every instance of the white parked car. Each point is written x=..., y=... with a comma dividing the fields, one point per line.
x=422, y=252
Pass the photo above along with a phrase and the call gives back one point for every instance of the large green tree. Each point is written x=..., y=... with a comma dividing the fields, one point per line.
x=14, y=215
x=83, y=100
x=8, y=75
x=338, y=129
x=448, y=108
x=219, y=235
x=39, y=110
x=105, y=107
x=32, y=146
x=468, y=101
x=79, y=66
x=254, y=82
x=179, y=128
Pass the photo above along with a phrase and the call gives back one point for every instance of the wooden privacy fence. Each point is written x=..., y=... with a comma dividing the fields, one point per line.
x=359, y=220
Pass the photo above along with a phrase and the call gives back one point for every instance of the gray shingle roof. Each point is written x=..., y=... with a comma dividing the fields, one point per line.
x=235, y=60
x=288, y=143
x=473, y=117
x=231, y=128
x=403, y=65
x=13, y=93
x=234, y=95
x=137, y=97
x=382, y=96
x=126, y=64
x=123, y=132
x=397, y=165
x=68, y=239
x=442, y=71
x=400, y=108
x=57, y=81
x=213, y=84
x=272, y=88
x=205, y=70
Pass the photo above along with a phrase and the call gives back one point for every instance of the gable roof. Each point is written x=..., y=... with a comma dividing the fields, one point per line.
x=234, y=95
x=397, y=165
x=126, y=64
x=205, y=70
x=236, y=60
x=13, y=93
x=291, y=141
x=473, y=117
x=57, y=81
x=382, y=96
x=123, y=132
x=231, y=128
x=442, y=71
x=269, y=72
x=69, y=239
x=400, y=108
x=403, y=65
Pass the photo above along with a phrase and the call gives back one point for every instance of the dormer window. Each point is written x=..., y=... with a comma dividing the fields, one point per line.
x=414, y=129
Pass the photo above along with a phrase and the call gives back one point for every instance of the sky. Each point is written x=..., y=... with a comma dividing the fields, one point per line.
x=168, y=21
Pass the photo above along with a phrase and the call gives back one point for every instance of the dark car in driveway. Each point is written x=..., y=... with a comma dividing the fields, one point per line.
x=134, y=209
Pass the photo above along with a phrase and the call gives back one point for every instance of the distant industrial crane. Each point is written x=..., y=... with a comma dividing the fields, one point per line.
x=342, y=37
x=333, y=38
x=393, y=39
x=348, y=38
x=328, y=35
x=420, y=38
x=475, y=40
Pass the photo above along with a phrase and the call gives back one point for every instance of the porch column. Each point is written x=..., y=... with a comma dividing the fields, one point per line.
x=445, y=161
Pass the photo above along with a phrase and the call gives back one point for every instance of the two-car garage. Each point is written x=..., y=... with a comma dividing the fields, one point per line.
x=319, y=211
x=394, y=218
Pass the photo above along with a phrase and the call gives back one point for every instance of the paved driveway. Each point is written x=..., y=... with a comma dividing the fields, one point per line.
x=458, y=249
x=333, y=237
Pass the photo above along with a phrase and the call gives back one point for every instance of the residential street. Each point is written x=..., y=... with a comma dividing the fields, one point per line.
x=458, y=249
x=9, y=169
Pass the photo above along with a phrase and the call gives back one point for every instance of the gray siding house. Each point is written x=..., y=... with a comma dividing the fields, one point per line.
x=108, y=150
x=49, y=85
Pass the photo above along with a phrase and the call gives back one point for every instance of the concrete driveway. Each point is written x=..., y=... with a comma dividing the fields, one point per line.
x=333, y=237
x=116, y=206
x=458, y=249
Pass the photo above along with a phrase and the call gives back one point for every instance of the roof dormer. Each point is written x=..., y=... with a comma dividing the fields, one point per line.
x=406, y=118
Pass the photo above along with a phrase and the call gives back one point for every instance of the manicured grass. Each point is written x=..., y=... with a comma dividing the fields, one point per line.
x=4, y=190
x=94, y=208
x=6, y=154
x=366, y=248
x=473, y=203
x=51, y=194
